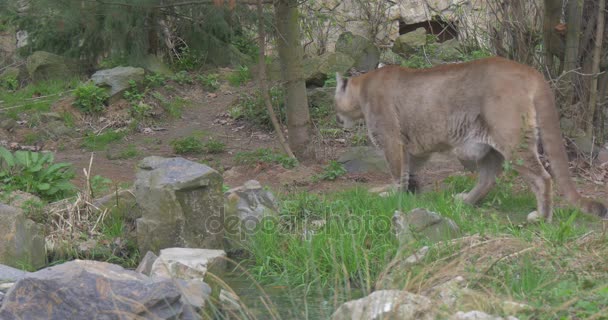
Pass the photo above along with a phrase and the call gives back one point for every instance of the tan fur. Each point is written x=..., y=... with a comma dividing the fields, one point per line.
x=486, y=111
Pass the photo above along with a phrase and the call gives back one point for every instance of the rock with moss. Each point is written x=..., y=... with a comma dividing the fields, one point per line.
x=42, y=65
x=363, y=160
x=245, y=208
x=22, y=239
x=181, y=205
x=449, y=50
x=409, y=43
x=318, y=69
x=362, y=50
x=117, y=80
x=321, y=97
x=430, y=225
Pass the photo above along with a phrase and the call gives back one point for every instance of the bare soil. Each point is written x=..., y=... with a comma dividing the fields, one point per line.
x=206, y=115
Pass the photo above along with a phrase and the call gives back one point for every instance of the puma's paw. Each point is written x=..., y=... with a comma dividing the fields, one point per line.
x=534, y=217
x=461, y=196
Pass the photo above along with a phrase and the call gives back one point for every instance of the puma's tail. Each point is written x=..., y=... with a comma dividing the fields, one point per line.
x=551, y=137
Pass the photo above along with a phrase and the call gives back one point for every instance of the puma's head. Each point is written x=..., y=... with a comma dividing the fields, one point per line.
x=348, y=109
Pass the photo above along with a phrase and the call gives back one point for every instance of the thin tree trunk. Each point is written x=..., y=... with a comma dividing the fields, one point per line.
x=597, y=50
x=553, y=12
x=573, y=38
x=290, y=54
x=263, y=84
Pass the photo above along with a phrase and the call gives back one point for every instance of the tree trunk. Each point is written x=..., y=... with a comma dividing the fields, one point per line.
x=290, y=54
x=553, y=12
x=597, y=50
x=263, y=83
x=574, y=17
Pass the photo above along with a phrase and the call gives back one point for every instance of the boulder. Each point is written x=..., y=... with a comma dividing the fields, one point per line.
x=244, y=208
x=410, y=42
x=42, y=65
x=121, y=199
x=363, y=160
x=181, y=205
x=117, y=79
x=321, y=97
x=386, y=304
x=362, y=50
x=318, y=69
x=79, y=289
x=22, y=239
x=449, y=50
x=187, y=264
x=429, y=225
x=10, y=274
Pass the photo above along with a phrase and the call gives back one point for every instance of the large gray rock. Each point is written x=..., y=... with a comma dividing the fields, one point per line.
x=362, y=50
x=42, y=65
x=245, y=207
x=410, y=42
x=363, y=160
x=117, y=79
x=181, y=205
x=386, y=304
x=91, y=289
x=22, y=239
x=10, y=274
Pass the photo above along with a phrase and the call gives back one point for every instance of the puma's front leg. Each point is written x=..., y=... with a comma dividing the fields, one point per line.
x=398, y=163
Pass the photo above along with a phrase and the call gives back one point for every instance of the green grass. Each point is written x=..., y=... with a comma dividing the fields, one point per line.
x=187, y=145
x=355, y=245
x=264, y=155
x=36, y=96
x=99, y=142
x=239, y=76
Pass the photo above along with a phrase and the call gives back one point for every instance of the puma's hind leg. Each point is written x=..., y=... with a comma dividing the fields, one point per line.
x=528, y=165
x=489, y=167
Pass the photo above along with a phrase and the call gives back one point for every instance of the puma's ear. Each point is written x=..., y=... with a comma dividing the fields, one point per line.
x=340, y=83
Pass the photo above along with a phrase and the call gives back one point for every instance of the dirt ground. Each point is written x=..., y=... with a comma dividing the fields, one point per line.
x=206, y=114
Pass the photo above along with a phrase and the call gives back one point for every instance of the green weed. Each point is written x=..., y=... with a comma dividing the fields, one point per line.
x=36, y=173
x=187, y=145
x=332, y=171
x=239, y=77
x=210, y=81
x=251, y=107
x=182, y=77
x=90, y=98
x=265, y=156
x=93, y=142
x=155, y=80
x=214, y=146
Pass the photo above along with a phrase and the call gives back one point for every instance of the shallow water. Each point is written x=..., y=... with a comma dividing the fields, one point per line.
x=280, y=302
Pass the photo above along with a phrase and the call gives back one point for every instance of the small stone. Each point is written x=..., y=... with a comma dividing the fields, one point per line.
x=145, y=265
x=417, y=257
x=4, y=287
x=187, y=263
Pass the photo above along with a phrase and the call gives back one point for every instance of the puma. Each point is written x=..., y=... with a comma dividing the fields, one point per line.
x=486, y=111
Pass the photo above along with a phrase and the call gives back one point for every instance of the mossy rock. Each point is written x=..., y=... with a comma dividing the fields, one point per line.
x=409, y=43
x=362, y=50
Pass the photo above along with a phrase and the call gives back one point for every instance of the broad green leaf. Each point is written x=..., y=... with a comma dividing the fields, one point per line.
x=21, y=158
x=7, y=157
